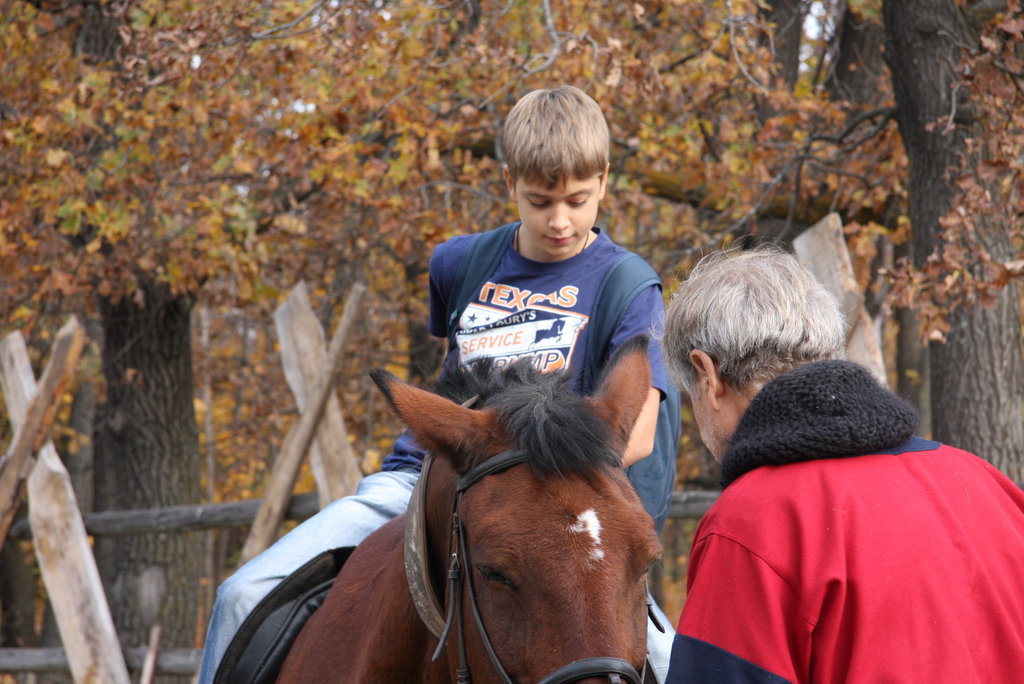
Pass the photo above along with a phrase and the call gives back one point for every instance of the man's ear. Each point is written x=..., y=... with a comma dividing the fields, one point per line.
x=709, y=380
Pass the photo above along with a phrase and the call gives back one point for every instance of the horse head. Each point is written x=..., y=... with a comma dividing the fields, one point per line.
x=537, y=541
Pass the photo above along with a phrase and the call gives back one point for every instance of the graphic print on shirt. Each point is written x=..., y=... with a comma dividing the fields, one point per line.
x=508, y=323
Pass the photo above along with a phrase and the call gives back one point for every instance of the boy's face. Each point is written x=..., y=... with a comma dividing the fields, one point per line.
x=556, y=221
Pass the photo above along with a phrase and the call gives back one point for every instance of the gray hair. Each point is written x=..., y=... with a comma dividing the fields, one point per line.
x=757, y=313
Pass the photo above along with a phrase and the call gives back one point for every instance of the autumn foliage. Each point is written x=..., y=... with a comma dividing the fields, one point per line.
x=230, y=149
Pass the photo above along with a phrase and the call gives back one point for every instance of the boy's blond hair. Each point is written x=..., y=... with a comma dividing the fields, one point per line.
x=554, y=134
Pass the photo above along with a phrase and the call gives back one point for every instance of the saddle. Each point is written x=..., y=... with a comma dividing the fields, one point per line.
x=258, y=649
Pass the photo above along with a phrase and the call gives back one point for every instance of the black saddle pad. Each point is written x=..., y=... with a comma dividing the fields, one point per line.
x=258, y=650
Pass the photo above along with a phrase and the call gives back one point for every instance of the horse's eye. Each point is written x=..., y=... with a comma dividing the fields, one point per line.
x=491, y=575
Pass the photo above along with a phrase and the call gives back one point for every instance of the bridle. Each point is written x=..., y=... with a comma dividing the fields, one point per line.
x=424, y=595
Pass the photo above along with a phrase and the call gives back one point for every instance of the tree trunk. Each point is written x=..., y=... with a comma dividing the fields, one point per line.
x=147, y=455
x=976, y=376
x=912, y=366
x=18, y=588
x=787, y=17
x=859, y=67
x=855, y=81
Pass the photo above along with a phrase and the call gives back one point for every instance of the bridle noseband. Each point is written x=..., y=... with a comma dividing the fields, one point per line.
x=615, y=670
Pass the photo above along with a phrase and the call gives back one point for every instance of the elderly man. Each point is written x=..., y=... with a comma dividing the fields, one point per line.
x=843, y=548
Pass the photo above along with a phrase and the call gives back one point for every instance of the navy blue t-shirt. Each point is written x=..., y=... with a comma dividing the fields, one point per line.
x=532, y=309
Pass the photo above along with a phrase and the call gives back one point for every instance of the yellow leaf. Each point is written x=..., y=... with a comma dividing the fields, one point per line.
x=243, y=165
x=291, y=224
x=56, y=158
x=413, y=49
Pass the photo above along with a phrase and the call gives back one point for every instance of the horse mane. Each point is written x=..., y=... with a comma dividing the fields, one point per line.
x=544, y=417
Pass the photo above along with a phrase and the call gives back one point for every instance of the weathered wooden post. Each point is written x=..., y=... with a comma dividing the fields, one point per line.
x=303, y=357
x=62, y=547
x=822, y=249
x=37, y=416
x=296, y=443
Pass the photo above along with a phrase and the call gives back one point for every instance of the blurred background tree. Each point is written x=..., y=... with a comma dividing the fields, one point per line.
x=171, y=169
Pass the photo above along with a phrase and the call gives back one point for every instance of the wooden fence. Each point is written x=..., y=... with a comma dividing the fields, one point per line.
x=685, y=504
x=60, y=534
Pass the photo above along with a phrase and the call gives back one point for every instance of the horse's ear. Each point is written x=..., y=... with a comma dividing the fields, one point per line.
x=440, y=425
x=623, y=389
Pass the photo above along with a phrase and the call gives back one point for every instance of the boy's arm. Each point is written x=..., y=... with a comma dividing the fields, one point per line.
x=641, y=440
x=644, y=315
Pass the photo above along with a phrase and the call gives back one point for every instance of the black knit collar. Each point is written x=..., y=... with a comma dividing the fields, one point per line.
x=826, y=409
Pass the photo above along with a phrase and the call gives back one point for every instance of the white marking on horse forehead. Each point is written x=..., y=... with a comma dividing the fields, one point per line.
x=588, y=522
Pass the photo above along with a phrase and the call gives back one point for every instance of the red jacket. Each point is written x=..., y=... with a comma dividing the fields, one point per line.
x=905, y=565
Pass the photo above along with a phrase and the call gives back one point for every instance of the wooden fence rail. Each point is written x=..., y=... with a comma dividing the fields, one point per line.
x=185, y=518
x=685, y=504
x=171, y=661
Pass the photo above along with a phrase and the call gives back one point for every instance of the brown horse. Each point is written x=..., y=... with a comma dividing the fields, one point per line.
x=524, y=553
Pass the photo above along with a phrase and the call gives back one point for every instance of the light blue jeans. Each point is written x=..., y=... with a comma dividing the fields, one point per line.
x=345, y=522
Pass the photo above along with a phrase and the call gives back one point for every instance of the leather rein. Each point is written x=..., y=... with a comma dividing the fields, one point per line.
x=425, y=596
